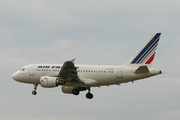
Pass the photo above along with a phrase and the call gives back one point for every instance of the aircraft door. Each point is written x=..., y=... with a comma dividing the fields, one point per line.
x=120, y=72
x=32, y=70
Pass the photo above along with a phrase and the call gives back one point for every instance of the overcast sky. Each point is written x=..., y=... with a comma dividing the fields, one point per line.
x=93, y=32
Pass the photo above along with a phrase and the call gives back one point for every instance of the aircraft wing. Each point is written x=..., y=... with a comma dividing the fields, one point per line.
x=68, y=71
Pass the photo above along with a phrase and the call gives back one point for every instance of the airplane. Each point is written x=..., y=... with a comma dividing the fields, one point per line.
x=76, y=78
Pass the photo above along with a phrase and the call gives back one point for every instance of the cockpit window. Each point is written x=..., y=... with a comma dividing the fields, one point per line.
x=23, y=69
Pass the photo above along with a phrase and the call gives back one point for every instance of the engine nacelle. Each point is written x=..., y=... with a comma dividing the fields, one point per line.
x=49, y=82
x=67, y=89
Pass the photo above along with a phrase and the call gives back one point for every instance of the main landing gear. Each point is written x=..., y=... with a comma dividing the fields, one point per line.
x=34, y=91
x=89, y=95
x=76, y=91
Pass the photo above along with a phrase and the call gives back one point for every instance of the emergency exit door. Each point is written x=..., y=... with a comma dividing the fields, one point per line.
x=120, y=72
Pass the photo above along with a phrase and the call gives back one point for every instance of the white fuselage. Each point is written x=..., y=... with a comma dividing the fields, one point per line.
x=103, y=74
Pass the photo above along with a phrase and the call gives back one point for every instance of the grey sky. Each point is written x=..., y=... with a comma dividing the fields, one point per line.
x=93, y=32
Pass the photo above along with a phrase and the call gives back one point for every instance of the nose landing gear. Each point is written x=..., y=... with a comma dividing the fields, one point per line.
x=34, y=91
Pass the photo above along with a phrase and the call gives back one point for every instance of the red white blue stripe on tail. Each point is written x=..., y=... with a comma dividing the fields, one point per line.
x=147, y=52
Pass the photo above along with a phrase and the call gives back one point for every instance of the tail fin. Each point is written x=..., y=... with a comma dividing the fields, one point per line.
x=145, y=55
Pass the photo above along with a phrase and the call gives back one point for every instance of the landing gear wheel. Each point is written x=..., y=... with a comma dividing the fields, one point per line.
x=75, y=92
x=34, y=92
x=89, y=95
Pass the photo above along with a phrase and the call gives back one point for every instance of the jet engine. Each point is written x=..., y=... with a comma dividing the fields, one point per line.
x=50, y=82
x=67, y=89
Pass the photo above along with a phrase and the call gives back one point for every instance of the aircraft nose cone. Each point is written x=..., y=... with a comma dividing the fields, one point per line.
x=15, y=76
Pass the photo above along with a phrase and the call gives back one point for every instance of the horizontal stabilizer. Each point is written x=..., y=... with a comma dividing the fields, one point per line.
x=142, y=69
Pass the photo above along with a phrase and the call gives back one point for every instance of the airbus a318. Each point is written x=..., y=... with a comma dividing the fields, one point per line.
x=75, y=78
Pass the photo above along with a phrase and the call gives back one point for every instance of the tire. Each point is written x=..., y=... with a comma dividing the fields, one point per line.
x=75, y=92
x=89, y=95
x=34, y=92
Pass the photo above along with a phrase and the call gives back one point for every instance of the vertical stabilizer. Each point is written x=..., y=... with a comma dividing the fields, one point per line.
x=145, y=55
